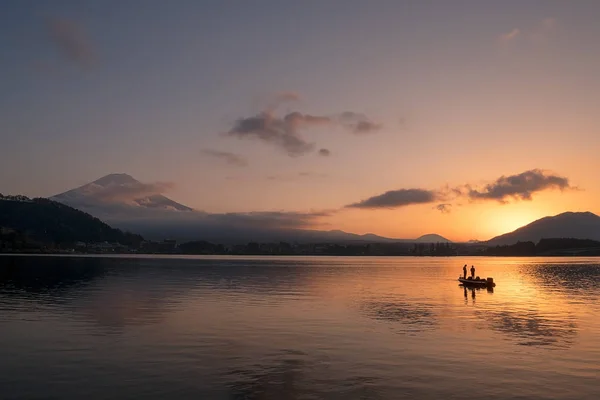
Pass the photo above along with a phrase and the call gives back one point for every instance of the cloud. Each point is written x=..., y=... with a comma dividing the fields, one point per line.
x=199, y=223
x=509, y=36
x=281, y=132
x=304, y=175
x=358, y=123
x=298, y=120
x=128, y=192
x=521, y=186
x=445, y=208
x=324, y=152
x=397, y=198
x=229, y=158
x=71, y=40
x=285, y=131
x=536, y=34
x=269, y=219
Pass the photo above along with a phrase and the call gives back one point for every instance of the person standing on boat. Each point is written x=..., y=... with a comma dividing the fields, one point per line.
x=465, y=271
x=473, y=271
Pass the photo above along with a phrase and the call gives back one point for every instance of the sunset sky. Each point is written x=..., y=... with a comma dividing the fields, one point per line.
x=395, y=118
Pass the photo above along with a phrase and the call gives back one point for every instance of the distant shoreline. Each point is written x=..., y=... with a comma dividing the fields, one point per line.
x=176, y=255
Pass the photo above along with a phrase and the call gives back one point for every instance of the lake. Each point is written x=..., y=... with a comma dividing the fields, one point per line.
x=297, y=328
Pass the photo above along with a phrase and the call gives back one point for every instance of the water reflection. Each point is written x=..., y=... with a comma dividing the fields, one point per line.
x=575, y=276
x=47, y=275
x=530, y=328
x=409, y=317
x=223, y=326
x=297, y=375
x=518, y=316
x=110, y=292
x=266, y=382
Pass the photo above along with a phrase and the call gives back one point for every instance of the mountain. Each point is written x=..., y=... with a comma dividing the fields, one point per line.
x=432, y=238
x=128, y=204
x=576, y=225
x=47, y=221
x=346, y=237
x=119, y=189
x=197, y=229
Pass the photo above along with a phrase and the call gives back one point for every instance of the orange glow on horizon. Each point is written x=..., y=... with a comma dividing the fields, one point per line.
x=469, y=221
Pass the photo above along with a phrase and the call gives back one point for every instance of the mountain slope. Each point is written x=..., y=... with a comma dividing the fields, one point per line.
x=119, y=189
x=577, y=225
x=51, y=222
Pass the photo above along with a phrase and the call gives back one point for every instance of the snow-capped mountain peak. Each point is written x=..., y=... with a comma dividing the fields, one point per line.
x=121, y=189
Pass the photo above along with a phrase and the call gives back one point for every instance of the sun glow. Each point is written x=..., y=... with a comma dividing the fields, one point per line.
x=508, y=220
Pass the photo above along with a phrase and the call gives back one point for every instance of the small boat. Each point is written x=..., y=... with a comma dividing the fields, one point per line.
x=489, y=282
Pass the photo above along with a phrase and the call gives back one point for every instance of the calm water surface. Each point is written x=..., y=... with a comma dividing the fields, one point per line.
x=297, y=328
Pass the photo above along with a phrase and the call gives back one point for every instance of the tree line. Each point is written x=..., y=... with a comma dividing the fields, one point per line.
x=546, y=247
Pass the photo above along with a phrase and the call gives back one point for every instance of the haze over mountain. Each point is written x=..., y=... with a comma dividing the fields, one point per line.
x=577, y=225
x=120, y=189
x=126, y=203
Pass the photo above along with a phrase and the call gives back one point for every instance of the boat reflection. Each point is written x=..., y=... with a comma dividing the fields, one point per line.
x=474, y=290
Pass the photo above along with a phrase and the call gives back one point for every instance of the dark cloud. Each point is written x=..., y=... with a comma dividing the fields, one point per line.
x=358, y=123
x=397, y=198
x=229, y=158
x=445, y=208
x=285, y=131
x=520, y=186
x=281, y=132
x=71, y=40
x=324, y=152
x=298, y=120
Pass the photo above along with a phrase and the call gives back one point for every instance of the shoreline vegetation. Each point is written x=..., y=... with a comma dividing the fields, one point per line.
x=13, y=243
x=43, y=226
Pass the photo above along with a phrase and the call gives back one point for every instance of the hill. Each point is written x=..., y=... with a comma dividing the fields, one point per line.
x=576, y=225
x=47, y=221
x=432, y=238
